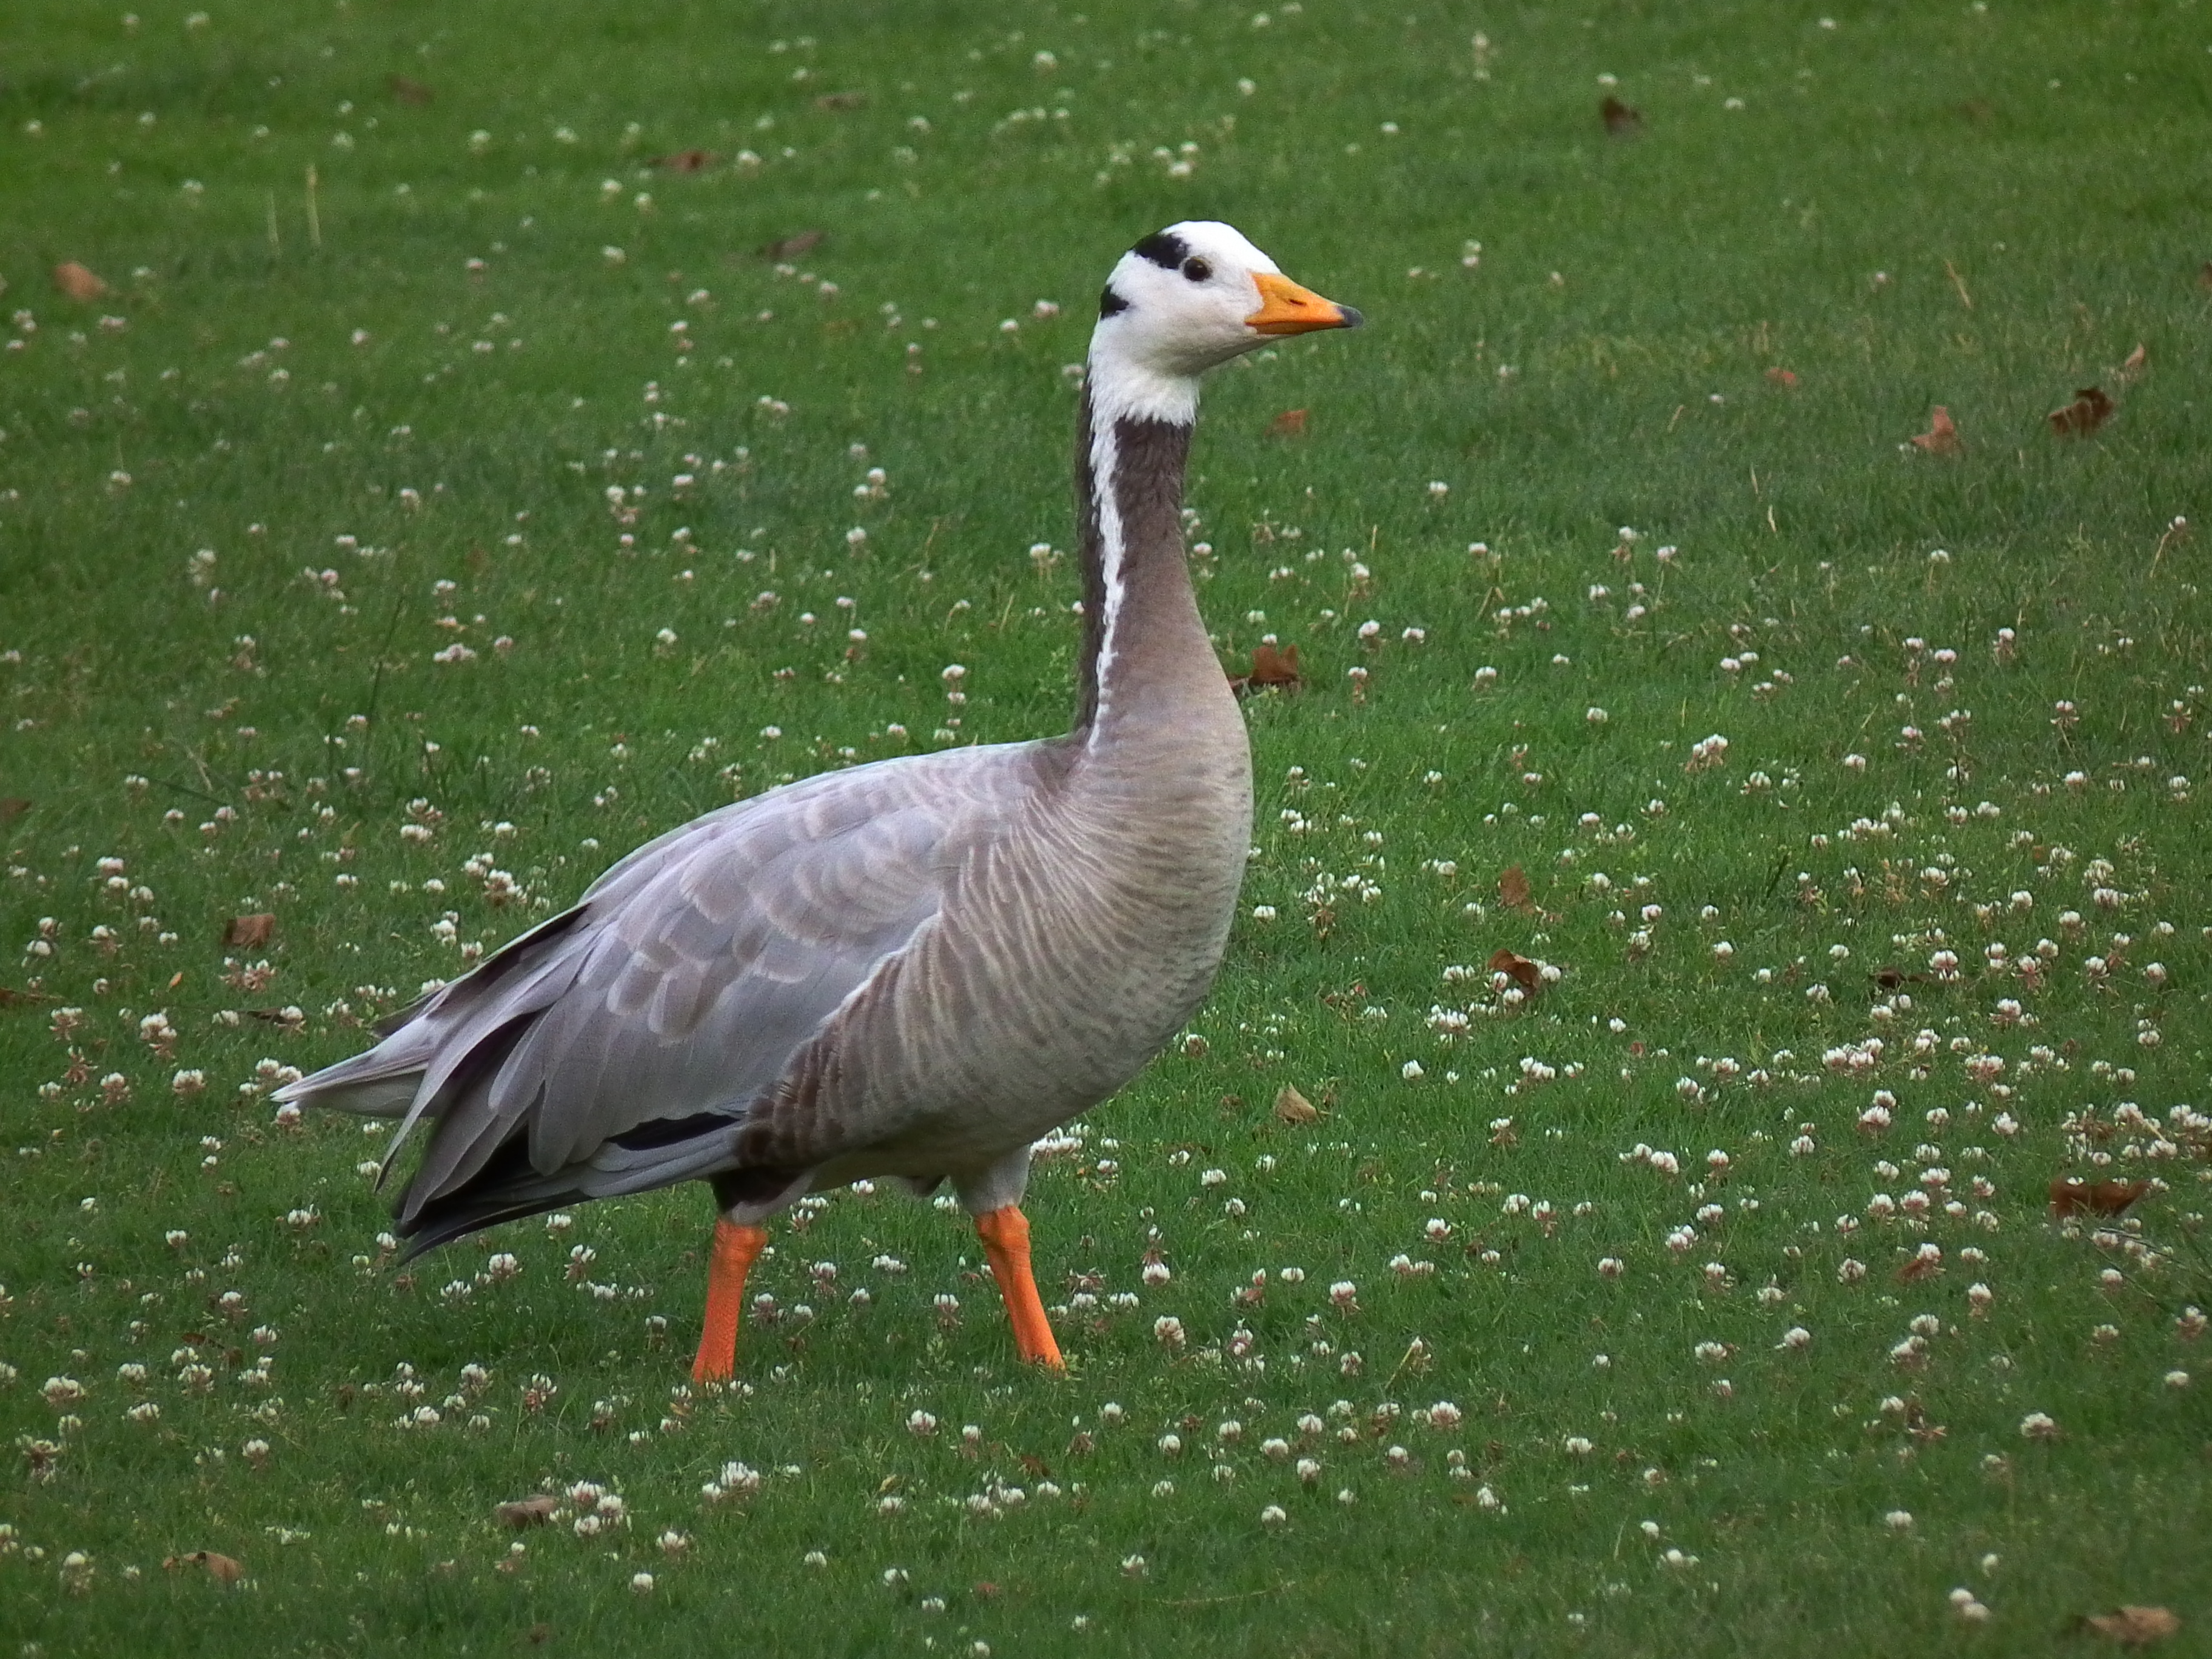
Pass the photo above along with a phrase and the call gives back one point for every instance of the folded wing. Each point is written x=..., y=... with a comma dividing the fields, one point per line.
x=618, y=1045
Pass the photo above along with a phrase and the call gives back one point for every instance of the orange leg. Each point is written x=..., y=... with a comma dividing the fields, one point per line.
x=735, y=1246
x=1005, y=1236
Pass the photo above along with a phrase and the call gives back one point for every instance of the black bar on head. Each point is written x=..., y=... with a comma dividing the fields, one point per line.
x=1163, y=248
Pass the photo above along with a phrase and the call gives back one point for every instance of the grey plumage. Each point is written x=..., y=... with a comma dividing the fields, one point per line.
x=892, y=970
x=912, y=968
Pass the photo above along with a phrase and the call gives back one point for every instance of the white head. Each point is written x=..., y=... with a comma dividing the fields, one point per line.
x=1182, y=301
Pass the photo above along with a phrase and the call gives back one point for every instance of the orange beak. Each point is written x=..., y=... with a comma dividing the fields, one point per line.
x=1287, y=308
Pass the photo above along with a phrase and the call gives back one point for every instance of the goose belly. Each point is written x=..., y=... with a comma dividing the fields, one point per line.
x=1070, y=955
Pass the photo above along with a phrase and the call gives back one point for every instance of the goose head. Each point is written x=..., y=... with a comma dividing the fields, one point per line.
x=1184, y=301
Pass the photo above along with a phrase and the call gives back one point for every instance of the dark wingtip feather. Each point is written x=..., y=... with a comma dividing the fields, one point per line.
x=444, y=1222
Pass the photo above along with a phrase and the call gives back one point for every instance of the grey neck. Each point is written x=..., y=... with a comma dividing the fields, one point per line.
x=1142, y=636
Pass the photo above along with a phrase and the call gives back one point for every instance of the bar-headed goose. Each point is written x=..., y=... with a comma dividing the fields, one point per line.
x=912, y=968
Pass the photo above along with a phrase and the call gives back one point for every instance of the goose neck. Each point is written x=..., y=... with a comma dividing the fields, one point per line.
x=1145, y=656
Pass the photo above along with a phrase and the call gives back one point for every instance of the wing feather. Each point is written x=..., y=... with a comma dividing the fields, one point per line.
x=677, y=992
x=701, y=966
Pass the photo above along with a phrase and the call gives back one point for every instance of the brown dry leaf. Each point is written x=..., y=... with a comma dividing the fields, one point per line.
x=408, y=90
x=1622, y=120
x=249, y=932
x=1917, y=1268
x=1941, y=437
x=2072, y=1195
x=224, y=1569
x=2133, y=1626
x=1272, y=669
x=2137, y=361
x=11, y=808
x=686, y=160
x=532, y=1511
x=1781, y=377
x=791, y=247
x=2090, y=409
x=540, y=1633
x=1276, y=666
x=841, y=100
x=1291, y=423
x=1524, y=973
x=1514, y=890
x=10, y=998
x=1292, y=1107
x=78, y=282
x=2204, y=277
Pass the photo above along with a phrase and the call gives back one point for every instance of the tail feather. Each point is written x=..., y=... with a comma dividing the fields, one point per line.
x=469, y=1136
x=398, y=1059
x=473, y=1036
x=449, y=1044
x=384, y=1097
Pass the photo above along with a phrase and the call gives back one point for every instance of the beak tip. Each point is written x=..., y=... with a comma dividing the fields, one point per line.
x=1351, y=319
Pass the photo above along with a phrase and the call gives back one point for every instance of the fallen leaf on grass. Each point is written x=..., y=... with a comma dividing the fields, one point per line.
x=2071, y=1195
x=1292, y=1107
x=1919, y=1268
x=1890, y=978
x=2204, y=277
x=224, y=1569
x=686, y=160
x=1941, y=437
x=841, y=100
x=1514, y=890
x=790, y=248
x=408, y=90
x=2132, y=1627
x=11, y=808
x=249, y=932
x=540, y=1634
x=1622, y=120
x=10, y=998
x=78, y=282
x=1523, y=972
x=1781, y=377
x=1291, y=423
x=1271, y=669
x=2090, y=409
x=532, y=1511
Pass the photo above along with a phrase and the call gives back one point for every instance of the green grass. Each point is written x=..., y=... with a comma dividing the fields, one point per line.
x=2028, y=180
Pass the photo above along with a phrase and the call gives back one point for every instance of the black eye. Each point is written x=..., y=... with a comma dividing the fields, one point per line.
x=1197, y=269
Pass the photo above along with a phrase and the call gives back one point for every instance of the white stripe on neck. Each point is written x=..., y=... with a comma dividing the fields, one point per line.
x=1119, y=390
x=1113, y=559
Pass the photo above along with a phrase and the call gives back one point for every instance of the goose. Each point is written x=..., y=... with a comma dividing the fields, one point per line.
x=909, y=971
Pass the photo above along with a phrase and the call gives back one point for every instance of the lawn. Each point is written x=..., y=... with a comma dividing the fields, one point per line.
x=482, y=438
